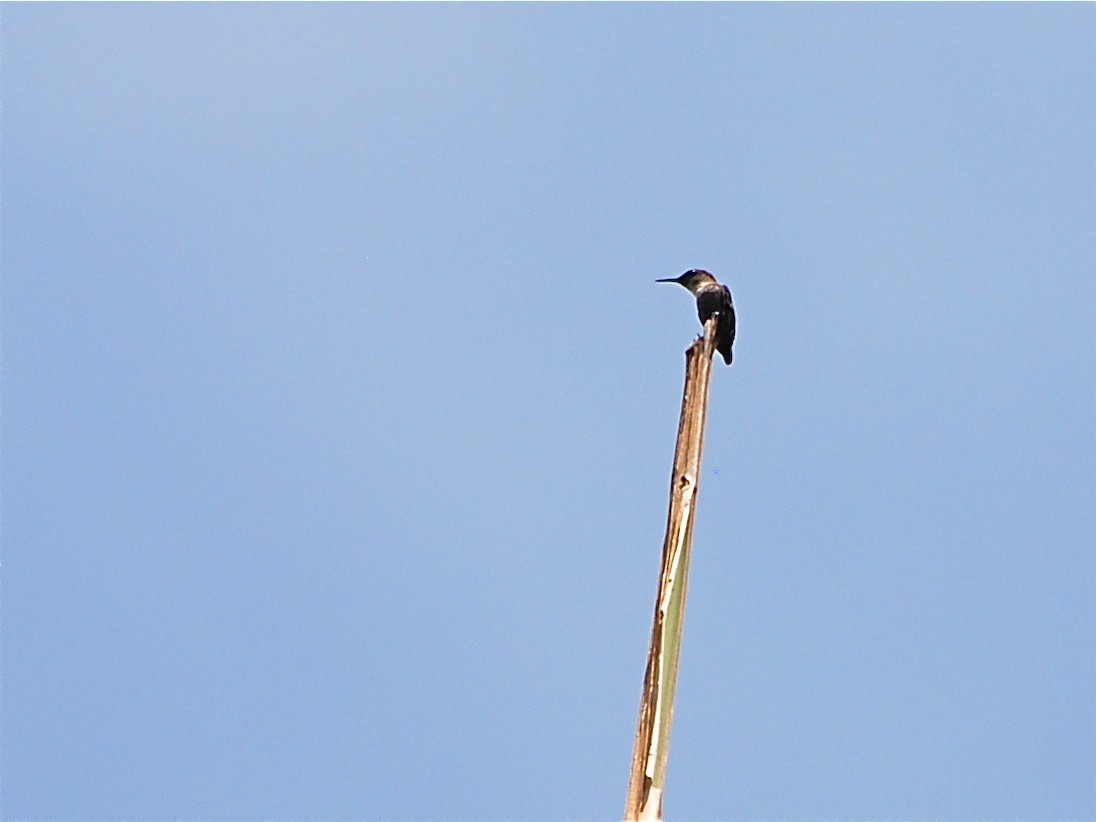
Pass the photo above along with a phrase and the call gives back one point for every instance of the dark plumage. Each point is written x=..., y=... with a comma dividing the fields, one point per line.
x=711, y=298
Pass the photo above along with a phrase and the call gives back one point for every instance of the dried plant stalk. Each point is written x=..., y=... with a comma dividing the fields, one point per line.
x=656, y=708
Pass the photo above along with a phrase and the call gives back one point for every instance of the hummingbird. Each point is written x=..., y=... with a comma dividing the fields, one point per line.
x=712, y=297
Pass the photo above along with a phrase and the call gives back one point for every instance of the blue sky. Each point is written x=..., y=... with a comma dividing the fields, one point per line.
x=339, y=402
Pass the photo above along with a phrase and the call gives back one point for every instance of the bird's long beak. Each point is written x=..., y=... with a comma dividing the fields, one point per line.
x=668, y=280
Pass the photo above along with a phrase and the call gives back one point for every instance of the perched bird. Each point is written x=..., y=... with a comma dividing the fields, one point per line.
x=712, y=297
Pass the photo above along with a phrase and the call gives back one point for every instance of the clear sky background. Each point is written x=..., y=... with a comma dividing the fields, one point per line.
x=339, y=404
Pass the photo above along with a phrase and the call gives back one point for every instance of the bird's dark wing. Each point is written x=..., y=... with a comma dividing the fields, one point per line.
x=729, y=315
x=720, y=301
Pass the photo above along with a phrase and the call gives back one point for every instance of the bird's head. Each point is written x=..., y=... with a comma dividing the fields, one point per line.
x=694, y=279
